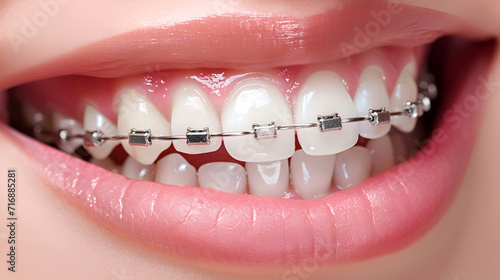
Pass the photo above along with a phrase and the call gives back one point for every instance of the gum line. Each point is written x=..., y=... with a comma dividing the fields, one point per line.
x=217, y=83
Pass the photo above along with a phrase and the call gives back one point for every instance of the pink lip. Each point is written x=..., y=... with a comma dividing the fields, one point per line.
x=248, y=41
x=384, y=214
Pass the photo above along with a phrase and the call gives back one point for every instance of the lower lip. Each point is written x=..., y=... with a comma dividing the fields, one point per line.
x=384, y=214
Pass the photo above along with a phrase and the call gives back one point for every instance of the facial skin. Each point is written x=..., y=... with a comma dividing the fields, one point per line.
x=58, y=242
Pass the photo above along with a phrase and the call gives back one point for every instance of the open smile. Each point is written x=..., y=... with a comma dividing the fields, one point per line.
x=293, y=140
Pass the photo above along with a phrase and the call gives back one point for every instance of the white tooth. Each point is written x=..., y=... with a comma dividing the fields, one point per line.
x=61, y=121
x=324, y=93
x=371, y=94
x=268, y=178
x=382, y=154
x=107, y=164
x=223, y=176
x=173, y=169
x=137, y=112
x=35, y=118
x=137, y=171
x=311, y=175
x=352, y=167
x=93, y=120
x=405, y=90
x=256, y=101
x=191, y=107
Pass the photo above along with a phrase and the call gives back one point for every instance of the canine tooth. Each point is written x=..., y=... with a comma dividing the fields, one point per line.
x=371, y=94
x=324, y=94
x=223, y=176
x=352, y=167
x=133, y=169
x=107, y=164
x=311, y=175
x=61, y=121
x=382, y=154
x=405, y=90
x=268, y=178
x=191, y=107
x=257, y=101
x=136, y=111
x=94, y=120
x=173, y=169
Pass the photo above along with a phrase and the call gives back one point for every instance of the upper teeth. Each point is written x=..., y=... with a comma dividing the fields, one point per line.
x=257, y=101
x=371, y=93
x=137, y=112
x=258, y=113
x=191, y=107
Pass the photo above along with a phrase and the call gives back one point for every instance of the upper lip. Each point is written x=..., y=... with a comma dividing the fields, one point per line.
x=243, y=41
x=384, y=214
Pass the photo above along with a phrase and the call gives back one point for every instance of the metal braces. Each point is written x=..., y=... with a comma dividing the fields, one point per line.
x=202, y=136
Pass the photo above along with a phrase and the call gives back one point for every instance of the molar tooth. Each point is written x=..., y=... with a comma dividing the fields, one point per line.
x=406, y=90
x=257, y=101
x=371, y=94
x=137, y=171
x=34, y=117
x=61, y=121
x=107, y=164
x=137, y=112
x=191, y=107
x=324, y=94
x=382, y=154
x=268, y=178
x=173, y=169
x=311, y=175
x=352, y=167
x=94, y=120
x=223, y=176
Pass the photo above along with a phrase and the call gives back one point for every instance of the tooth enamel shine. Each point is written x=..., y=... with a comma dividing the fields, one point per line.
x=371, y=94
x=174, y=170
x=94, y=120
x=311, y=175
x=223, y=176
x=405, y=91
x=137, y=112
x=191, y=108
x=61, y=121
x=268, y=178
x=257, y=102
x=324, y=94
x=352, y=167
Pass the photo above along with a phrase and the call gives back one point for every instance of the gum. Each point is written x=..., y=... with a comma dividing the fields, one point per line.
x=69, y=94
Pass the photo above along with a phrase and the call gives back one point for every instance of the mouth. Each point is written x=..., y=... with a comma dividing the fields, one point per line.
x=314, y=154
